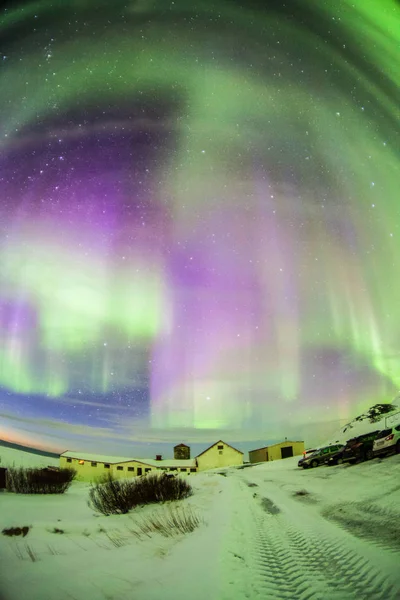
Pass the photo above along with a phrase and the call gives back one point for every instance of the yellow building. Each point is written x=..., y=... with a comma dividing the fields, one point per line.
x=90, y=467
x=218, y=455
x=277, y=451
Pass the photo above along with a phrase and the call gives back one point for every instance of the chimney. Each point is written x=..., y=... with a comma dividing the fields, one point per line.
x=158, y=457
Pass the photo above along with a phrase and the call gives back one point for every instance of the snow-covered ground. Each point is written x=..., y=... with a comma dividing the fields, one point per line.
x=269, y=531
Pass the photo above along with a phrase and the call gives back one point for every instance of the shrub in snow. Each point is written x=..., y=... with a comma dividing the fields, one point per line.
x=11, y=531
x=119, y=496
x=39, y=481
x=159, y=488
x=104, y=478
x=110, y=497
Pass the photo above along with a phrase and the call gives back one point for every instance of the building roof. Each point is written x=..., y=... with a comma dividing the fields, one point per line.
x=219, y=442
x=177, y=445
x=104, y=458
x=112, y=460
x=279, y=444
x=169, y=462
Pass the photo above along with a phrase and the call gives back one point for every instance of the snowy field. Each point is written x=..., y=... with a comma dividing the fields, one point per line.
x=270, y=531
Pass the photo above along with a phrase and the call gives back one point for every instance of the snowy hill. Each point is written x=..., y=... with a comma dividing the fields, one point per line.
x=13, y=457
x=30, y=449
x=359, y=427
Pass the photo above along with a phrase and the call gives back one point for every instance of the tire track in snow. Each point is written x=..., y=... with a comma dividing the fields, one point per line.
x=367, y=521
x=292, y=562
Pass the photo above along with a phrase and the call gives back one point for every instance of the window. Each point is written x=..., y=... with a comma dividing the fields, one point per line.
x=219, y=451
x=184, y=470
x=220, y=447
x=193, y=470
x=173, y=469
x=119, y=468
x=94, y=464
x=384, y=433
x=106, y=466
x=69, y=459
x=81, y=462
x=147, y=470
x=131, y=468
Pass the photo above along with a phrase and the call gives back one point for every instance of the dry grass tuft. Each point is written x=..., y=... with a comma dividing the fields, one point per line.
x=301, y=493
x=57, y=530
x=29, y=552
x=11, y=531
x=169, y=522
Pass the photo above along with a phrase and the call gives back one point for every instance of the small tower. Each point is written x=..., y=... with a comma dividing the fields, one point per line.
x=181, y=452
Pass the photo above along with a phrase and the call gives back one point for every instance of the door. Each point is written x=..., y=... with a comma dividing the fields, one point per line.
x=2, y=478
x=286, y=452
x=139, y=470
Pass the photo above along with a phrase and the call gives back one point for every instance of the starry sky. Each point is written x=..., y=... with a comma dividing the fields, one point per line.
x=199, y=220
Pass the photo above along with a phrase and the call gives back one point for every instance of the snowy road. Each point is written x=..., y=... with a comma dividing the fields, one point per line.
x=285, y=549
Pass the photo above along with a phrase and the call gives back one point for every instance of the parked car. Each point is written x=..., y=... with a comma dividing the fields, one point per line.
x=307, y=453
x=357, y=449
x=320, y=456
x=387, y=441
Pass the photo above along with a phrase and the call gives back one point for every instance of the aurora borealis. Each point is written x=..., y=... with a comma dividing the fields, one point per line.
x=199, y=218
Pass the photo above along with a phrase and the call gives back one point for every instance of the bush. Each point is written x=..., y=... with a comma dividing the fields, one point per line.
x=159, y=488
x=11, y=531
x=104, y=477
x=39, y=481
x=111, y=497
x=120, y=496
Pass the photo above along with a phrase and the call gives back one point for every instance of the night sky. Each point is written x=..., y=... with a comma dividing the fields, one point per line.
x=199, y=220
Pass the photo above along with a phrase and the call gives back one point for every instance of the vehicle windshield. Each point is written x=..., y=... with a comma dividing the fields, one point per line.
x=315, y=453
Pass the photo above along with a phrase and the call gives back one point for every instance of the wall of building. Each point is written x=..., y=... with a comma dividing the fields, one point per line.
x=274, y=452
x=260, y=455
x=88, y=472
x=132, y=468
x=217, y=456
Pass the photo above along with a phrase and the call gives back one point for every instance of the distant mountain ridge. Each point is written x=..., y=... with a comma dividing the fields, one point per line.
x=29, y=449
